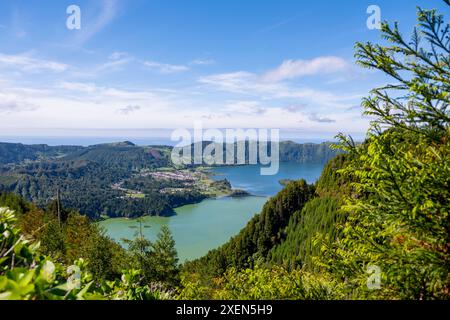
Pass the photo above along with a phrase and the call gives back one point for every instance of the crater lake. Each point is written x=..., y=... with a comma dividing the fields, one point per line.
x=198, y=228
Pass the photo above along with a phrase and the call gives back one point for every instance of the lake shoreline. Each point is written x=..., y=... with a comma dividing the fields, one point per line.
x=209, y=181
x=201, y=227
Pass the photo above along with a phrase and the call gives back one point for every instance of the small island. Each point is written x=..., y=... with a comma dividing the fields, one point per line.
x=238, y=193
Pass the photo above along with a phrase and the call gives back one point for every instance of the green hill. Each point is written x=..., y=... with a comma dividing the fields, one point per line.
x=17, y=152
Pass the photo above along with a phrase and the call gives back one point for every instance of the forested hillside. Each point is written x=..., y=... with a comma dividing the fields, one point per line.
x=289, y=151
x=261, y=234
x=124, y=155
x=83, y=179
x=17, y=152
x=114, y=179
x=307, y=152
x=319, y=216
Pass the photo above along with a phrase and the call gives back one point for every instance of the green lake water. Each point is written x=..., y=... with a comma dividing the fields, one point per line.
x=198, y=228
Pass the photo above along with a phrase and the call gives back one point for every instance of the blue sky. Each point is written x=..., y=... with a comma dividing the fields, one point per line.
x=166, y=64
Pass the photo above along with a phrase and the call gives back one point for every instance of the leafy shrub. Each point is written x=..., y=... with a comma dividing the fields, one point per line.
x=27, y=274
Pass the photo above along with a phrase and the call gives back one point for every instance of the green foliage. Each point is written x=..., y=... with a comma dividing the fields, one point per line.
x=399, y=218
x=52, y=238
x=76, y=237
x=123, y=155
x=26, y=274
x=266, y=284
x=140, y=249
x=319, y=216
x=16, y=203
x=165, y=258
x=158, y=261
x=418, y=100
x=307, y=152
x=17, y=152
x=331, y=182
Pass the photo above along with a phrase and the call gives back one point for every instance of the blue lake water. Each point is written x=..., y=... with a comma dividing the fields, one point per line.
x=198, y=228
x=249, y=178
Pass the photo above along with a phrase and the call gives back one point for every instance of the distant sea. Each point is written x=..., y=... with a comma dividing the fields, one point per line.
x=86, y=141
x=89, y=141
x=138, y=137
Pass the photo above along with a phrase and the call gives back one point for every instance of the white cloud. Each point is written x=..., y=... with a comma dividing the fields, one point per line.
x=202, y=62
x=104, y=94
x=316, y=118
x=276, y=25
x=117, y=55
x=244, y=100
x=107, y=11
x=89, y=105
x=294, y=108
x=128, y=109
x=290, y=69
x=27, y=63
x=115, y=62
x=244, y=107
x=249, y=84
x=165, y=68
x=12, y=106
x=237, y=82
x=84, y=105
x=118, y=60
x=78, y=86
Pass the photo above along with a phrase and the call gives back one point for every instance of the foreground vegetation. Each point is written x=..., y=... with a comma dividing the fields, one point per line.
x=375, y=226
x=46, y=256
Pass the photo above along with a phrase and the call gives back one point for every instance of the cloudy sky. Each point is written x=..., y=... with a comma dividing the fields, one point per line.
x=165, y=64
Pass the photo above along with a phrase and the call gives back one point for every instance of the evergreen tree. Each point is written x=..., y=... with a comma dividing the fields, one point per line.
x=140, y=249
x=165, y=258
x=398, y=215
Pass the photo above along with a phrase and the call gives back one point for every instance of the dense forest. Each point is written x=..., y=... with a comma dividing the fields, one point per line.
x=17, y=152
x=242, y=151
x=374, y=226
x=83, y=180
